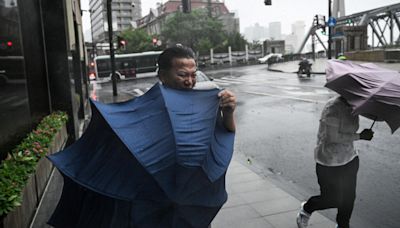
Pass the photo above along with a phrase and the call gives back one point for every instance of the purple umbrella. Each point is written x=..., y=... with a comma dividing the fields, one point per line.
x=372, y=91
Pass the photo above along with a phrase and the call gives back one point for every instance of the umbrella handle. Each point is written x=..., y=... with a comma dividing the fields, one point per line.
x=373, y=122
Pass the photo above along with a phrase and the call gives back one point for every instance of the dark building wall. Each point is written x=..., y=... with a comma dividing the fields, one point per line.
x=35, y=59
x=60, y=63
x=44, y=69
x=15, y=118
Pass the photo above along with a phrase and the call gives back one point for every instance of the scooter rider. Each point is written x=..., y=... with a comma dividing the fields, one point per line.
x=304, y=67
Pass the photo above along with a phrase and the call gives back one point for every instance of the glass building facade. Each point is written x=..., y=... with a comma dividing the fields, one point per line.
x=42, y=67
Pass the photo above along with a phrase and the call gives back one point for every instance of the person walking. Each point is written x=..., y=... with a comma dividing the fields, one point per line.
x=337, y=163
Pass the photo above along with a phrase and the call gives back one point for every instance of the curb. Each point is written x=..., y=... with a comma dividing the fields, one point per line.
x=291, y=72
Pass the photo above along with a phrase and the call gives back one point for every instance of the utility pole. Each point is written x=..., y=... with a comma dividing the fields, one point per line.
x=209, y=8
x=94, y=51
x=329, y=29
x=112, y=57
x=186, y=6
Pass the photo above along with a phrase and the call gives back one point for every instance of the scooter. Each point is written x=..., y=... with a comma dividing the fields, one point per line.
x=304, y=69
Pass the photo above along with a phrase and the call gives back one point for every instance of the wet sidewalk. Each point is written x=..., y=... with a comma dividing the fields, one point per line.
x=253, y=201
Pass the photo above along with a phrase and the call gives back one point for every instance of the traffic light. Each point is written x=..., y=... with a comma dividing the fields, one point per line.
x=121, y=42
x=6, y=45
x=154, y=41
x=267, y=2
x=323, y=32
x=349, y=21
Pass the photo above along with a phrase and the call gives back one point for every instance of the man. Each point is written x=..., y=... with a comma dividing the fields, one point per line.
x=304, y=67
x=177, y=70
x=158, y=160
x=337, y=163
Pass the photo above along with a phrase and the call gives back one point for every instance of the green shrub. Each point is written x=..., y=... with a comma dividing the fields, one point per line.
x=21, y=162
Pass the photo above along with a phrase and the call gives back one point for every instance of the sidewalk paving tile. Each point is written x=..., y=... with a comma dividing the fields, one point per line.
x=280, y=205
x=254, y=201
x=288, y=220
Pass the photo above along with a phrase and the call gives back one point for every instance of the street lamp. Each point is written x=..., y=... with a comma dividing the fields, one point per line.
x=112, y=57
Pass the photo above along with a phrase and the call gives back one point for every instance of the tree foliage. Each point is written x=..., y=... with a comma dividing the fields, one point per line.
x=196, y=30
x=236, y=41
x=200, y=32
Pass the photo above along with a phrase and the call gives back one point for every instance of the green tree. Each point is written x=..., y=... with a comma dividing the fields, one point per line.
x=196, y=30
x=137, y=40
x=236, y=41
x=255, y=45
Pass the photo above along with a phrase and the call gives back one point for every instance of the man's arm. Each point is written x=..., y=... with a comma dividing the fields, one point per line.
x=334, y=135
x=228, y=105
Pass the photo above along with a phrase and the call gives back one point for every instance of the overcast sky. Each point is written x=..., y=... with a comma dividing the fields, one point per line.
x=285, y=11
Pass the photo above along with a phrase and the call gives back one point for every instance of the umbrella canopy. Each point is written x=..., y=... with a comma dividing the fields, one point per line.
x=159, y=160
x=372, y=91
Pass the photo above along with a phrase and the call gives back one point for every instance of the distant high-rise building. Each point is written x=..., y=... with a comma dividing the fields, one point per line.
x=256, y=32
x=338, y=9
x=298, y=30
x=275, y=30
x=290, y=43
x=124, y=16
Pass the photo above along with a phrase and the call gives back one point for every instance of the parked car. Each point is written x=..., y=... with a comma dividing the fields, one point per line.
x=267, y=57
x=204, y=82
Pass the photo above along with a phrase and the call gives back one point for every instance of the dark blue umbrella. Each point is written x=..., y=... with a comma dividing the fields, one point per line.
x=155, y=161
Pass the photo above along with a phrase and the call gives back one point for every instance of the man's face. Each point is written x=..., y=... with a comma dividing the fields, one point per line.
x=182, y=75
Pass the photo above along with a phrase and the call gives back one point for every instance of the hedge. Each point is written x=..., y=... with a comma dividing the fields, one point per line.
x=22, y=160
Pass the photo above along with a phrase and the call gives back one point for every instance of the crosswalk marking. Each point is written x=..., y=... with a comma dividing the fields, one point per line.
x=139, y=92
x=286, y=97
x=266, y=81
x=224, y=81
x=293, y=91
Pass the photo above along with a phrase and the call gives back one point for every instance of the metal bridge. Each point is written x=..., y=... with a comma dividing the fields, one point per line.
x=383, y=23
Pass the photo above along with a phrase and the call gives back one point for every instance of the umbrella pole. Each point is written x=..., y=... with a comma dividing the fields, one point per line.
x=373, y=123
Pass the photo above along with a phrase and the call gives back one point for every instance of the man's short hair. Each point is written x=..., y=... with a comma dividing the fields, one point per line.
x=176, y=52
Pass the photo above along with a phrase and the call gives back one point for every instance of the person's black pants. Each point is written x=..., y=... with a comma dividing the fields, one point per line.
x=338, y=190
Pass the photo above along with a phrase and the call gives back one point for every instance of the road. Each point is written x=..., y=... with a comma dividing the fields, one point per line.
x=277, y=123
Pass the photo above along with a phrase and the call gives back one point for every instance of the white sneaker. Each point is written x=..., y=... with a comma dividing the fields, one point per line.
x=302, y=217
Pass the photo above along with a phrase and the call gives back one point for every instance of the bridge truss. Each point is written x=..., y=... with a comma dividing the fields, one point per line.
x=383, y=23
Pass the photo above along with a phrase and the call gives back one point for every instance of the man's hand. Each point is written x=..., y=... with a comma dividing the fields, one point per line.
x=228, y=105
x=366, y=134
x=227, y=101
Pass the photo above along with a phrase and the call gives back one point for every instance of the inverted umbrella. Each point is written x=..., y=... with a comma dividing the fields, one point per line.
x=372, y=91
x=155, y=161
